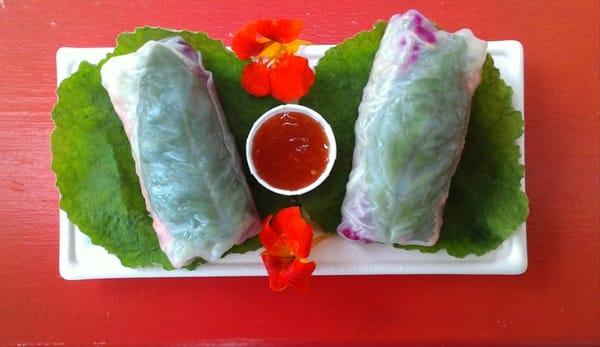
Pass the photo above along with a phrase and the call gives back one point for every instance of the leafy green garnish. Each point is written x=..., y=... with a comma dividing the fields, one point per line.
x=100, y=189
x=485, y=203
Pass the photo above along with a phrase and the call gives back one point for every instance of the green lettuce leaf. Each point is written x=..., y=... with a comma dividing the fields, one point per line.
x=485, y=203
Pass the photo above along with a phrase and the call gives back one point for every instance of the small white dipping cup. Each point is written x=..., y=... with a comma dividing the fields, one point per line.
x=312, y=114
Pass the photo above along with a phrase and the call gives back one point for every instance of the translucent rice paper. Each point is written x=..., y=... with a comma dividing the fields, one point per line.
x=185, y=156
x=410, y=132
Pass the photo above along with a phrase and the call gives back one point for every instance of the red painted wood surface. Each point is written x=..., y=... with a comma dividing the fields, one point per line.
x=557, y=300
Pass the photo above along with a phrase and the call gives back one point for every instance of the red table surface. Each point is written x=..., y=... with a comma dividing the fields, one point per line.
x=555, y=301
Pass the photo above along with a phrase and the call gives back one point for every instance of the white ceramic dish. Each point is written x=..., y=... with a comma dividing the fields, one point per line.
x=80, y=259
x=304, y=110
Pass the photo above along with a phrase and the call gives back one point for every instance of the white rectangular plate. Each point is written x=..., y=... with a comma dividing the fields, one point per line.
x=80, y=259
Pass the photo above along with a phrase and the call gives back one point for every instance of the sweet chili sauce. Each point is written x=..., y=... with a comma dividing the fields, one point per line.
x=290, y=150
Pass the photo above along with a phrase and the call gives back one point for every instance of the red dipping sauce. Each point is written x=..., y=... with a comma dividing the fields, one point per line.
x=290, y=150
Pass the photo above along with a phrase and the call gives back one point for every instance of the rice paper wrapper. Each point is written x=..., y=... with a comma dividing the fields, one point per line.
x=410, y=132
x=188, y=166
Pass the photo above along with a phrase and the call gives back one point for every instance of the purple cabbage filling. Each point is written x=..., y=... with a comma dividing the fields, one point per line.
x=424, y=31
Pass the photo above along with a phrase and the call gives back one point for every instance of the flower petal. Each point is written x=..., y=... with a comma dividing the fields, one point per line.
x=288, y=271
x=287, y=238
x=297, y=274
x=245, y=43
x=255, y=79
x=280, y=30
x=272, y=240
x=275, y=49
x=275, y=266
x=272, y=50
x=267, y=235
x=293, y=46
x=291, y=78
x=294, y=231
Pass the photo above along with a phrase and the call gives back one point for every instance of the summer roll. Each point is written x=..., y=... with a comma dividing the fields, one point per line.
x=188, y=166
x=410, y=131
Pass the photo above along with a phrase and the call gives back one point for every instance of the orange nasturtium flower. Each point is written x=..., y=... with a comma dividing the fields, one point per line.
x=273, y=69
x=287, y=239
